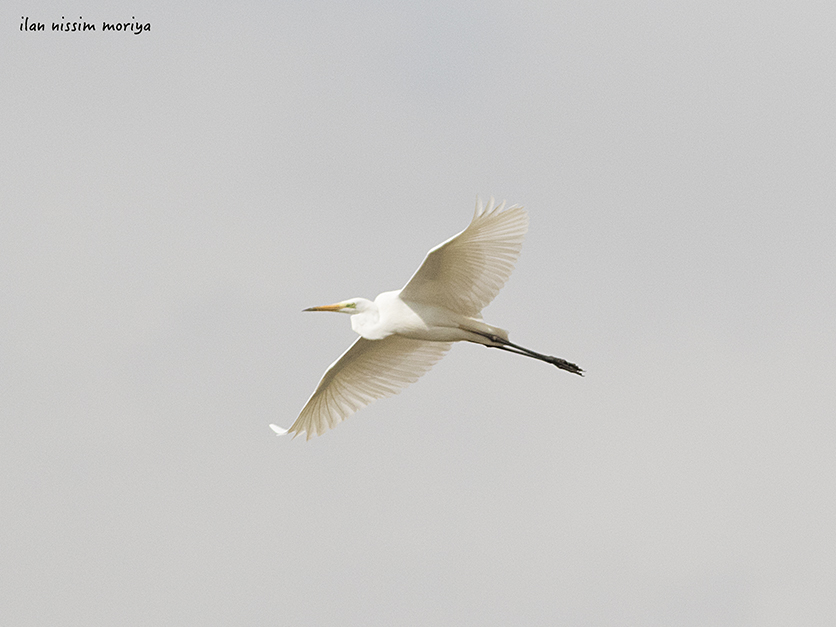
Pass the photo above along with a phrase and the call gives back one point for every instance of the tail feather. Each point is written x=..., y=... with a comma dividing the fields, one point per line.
x=482, y=331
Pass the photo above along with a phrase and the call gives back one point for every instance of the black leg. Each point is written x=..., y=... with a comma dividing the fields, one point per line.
x=519, y=350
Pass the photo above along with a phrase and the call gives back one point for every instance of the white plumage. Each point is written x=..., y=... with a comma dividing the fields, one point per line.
x=404, y=333
x=465, y=273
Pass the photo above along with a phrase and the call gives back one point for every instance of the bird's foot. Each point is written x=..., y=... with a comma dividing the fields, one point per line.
x=568, y=366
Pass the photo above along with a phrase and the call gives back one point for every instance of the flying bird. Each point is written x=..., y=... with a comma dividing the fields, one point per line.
x=405, y=332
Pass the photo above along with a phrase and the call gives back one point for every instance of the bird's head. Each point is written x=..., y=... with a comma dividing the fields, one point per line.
x=350, y=306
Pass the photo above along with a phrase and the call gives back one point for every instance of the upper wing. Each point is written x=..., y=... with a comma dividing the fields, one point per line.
x=368, y=370
x=466, y=272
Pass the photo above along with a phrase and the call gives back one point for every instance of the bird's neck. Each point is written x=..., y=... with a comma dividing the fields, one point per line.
x=366, y=323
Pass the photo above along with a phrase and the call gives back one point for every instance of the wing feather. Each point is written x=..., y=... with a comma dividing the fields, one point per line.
x=367, y=371
x=466, y=272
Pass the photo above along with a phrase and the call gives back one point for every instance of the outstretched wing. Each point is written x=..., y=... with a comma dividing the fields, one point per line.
x=466, y=272
x=367, y=371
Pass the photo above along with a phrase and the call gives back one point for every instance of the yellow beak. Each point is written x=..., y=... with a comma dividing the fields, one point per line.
x=334, y=307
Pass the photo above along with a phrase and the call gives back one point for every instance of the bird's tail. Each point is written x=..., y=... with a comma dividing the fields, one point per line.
x=482, y=332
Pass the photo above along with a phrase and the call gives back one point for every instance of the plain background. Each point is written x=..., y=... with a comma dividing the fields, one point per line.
x=172, y=200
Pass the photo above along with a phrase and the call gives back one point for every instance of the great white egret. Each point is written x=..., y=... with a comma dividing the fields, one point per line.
x=405, y=332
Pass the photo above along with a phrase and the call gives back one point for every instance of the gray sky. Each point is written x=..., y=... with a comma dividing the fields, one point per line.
x=172, y=200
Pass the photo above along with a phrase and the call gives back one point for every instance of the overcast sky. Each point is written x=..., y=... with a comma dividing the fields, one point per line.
x=171, y=201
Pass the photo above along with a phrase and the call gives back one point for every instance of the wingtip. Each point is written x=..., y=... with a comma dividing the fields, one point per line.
x=487, y=209
x=279, y=431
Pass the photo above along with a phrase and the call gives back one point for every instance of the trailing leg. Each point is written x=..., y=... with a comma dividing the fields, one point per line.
x=506, y=345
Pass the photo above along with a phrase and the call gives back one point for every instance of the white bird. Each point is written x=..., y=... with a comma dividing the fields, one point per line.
x=405, y=332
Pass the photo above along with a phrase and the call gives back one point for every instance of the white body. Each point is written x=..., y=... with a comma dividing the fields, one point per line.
x=393, y=315
x=403, y=333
